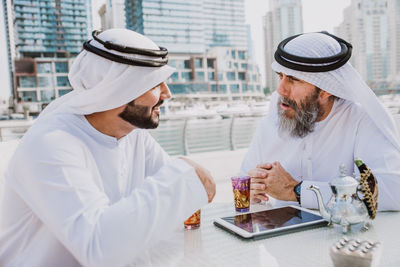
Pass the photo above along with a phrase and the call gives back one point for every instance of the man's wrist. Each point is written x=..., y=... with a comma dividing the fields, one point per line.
x=297, y=191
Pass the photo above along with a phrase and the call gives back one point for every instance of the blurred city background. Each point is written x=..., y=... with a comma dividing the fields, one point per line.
x=222, y=51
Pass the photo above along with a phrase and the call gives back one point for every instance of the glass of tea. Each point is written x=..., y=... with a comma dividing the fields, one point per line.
x=241, y=192
x=193, y=222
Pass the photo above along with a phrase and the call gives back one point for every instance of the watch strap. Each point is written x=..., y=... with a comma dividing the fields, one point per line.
x=297, y=191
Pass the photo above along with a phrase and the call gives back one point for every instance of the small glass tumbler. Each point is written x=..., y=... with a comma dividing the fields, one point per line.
x=241, y=192
x=193, y=222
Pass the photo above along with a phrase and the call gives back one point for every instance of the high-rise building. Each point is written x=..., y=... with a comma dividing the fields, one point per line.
x=189, y=26
x=48, y=34
x=250, y=47
x=207, y=41
x=224, y=23
x=283, y=20
x=394, y=32
x=177, y=25
x=112, y=14
x=49, y=28
x=223, y=70
x=374, y=30
x=5, y=53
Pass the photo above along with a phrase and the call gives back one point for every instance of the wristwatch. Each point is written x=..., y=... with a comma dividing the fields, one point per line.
x=297, y=191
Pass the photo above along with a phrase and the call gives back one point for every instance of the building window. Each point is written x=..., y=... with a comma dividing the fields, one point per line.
x=213, y=88
x=174, y=77
x=210, y=63
x=178, y=88
x=61, y=67
x=172, y=63
x=27, y=82
x=63, y=92
x=200, y=76
x=244, y=66
x=44, y=67
x=234, y=88
x=186, y=64
x=242, y=76
x=241, y=55
x=244, y=87
x=222, y=88
x=199, y=87
x=230, y=75
x=233, y=53
x=45, y=82
x=179, y=64
x=62, y=81
x=29, y=96
x=186, y=76
x=198, y=62
x=47, y=95
x=211, y=76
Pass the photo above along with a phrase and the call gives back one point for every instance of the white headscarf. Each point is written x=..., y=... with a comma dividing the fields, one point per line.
x=100, y=84
x=344, y=82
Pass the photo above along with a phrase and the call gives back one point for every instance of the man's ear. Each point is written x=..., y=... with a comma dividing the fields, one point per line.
x=324, y=95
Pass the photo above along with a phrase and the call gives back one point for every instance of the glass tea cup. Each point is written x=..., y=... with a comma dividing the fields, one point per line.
x=193, y=222
x=241, y=193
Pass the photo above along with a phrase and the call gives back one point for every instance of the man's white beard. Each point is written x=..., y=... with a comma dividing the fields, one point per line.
x=305, y=117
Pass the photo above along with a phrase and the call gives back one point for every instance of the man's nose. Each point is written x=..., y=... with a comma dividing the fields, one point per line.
x=284, y=87
x=165, y=92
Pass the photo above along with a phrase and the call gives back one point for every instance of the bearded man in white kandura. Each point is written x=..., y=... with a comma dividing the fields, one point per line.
x=321, y=116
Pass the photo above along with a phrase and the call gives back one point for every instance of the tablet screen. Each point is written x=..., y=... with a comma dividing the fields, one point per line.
x=271, y=219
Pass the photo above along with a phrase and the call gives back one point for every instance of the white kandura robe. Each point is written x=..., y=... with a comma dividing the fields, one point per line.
x=75, y=196
x=347, y=133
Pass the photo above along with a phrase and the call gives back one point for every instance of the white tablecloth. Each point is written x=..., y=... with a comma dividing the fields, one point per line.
x=212, y=246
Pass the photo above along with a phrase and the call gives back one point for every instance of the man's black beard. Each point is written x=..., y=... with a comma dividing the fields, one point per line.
x=137, y=115
x=305, y=115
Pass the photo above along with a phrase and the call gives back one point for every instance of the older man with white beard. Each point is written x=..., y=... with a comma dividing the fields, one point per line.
x=322, y=115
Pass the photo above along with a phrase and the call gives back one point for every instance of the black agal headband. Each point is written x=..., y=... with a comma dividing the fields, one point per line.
x=321, y=64
x=157, y=54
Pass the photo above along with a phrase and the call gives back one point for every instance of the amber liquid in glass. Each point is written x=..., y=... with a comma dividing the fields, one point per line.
x=241, y=193
x=242, y=200
x=193, y=222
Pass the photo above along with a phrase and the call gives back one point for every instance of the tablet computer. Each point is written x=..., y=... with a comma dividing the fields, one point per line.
x=271, y=222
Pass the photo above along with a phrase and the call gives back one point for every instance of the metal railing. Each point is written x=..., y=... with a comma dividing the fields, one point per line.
x=13, y=129
x=178, y=137
x=192, y=135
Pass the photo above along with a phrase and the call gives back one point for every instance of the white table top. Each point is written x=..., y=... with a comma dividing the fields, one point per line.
x=212, y=246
